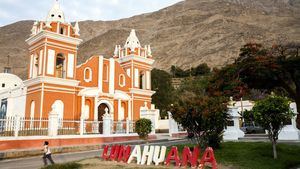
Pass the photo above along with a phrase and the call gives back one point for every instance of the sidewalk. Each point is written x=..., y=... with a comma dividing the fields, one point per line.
x=17, y=153
x=36, y=162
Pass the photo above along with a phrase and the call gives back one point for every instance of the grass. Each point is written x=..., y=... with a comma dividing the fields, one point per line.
x=258, y=155
x=71, y=165
x=243, y=155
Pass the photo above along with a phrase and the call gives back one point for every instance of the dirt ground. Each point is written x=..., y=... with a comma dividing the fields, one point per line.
x=97, y=163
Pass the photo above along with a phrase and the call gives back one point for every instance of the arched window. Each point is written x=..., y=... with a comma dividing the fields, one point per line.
x=87, y=74
x=35, y=65
x=32, y=108
x=62, y=31
x=58, y=106
x=122, y=80
x=105, y=72
x=87, y=109
x=60, y=66
x=142, y=80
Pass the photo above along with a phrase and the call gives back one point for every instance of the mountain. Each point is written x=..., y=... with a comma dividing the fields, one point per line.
x=187, y=33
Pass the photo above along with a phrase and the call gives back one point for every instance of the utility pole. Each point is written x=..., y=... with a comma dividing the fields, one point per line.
x=7, y=68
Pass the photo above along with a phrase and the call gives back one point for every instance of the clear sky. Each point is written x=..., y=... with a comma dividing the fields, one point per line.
x=16, y=10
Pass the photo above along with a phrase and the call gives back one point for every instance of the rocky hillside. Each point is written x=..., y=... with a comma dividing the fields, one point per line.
x=188, y=33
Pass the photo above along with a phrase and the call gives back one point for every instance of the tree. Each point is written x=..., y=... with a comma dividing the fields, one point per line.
x=143, y=127
x=201, y=70
x=199, y=113
x=178, y=72
x=161, y=84
x=203, y=116
x=271, y=113
x=274, y=69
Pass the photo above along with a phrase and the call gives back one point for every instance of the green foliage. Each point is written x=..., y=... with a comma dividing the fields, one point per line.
x=200, y=70
x=196, y=85
x=178, y=72
x=143, y=127
x=161, y=84
x=271, y=113
x=204, y=116
x=272, y=69
x=248, y=116
x=71, y=165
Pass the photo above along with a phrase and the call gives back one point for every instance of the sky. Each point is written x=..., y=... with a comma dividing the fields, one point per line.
x=15, y=10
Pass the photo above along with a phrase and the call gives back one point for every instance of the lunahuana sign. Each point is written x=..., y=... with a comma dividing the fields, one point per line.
x=157, y=155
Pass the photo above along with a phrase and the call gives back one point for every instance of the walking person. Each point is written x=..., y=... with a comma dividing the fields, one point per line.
x=47, y=154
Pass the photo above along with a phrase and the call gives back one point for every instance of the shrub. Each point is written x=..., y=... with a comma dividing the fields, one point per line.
x=143, y=127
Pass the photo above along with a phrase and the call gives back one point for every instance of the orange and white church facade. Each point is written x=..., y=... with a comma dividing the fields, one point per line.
x=120, y=85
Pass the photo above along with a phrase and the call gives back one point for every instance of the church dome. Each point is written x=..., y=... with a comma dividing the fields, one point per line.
x=55, y=14
x=8, y=80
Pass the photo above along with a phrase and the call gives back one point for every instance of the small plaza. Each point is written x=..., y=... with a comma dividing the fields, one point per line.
x=121, y=111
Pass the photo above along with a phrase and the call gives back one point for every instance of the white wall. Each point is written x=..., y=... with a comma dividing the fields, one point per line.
x=14, y=92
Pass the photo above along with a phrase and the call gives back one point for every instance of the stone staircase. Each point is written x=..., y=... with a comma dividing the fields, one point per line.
x=254, y=137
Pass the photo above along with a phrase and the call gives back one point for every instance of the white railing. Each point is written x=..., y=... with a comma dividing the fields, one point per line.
x=68, y=127
x=20, y=126
x=123, y=127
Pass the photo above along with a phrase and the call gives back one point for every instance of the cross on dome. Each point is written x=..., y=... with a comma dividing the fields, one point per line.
x=132, y=41
x=55, y=13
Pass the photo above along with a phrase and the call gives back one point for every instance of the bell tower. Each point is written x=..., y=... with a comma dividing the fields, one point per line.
x=52, y=64
x=137, y=62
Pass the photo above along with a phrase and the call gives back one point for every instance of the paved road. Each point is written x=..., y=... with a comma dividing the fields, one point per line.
x=36, y=162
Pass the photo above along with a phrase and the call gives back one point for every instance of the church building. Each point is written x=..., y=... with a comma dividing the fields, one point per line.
x=120, y=85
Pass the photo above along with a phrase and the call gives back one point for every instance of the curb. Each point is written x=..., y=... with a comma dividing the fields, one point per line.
x=67, y=149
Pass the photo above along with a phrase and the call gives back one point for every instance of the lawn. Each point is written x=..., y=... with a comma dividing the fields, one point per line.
x=234, y=155
x=258, y=155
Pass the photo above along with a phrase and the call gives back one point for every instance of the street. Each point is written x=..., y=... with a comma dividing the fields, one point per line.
x=37, y=162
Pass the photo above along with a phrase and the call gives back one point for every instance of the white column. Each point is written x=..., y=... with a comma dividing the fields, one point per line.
x=233, y=132
x=107, y=120
x=17, y=125
x=96, y=109
x=68, y=30
x=58, y=27
x=82, y=106
x=81, y=128
x=290, y=131
x=95, y=123
x=148, y=80
x=173, y=127
x=119, y=109
x=127, y=126
x=53, y=123
x=136, y=77
x=100, y=73
x=111, y=76
x=129, y=110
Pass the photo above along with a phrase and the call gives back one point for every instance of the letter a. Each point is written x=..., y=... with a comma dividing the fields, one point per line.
x=159, y=158
x=136, y=153
x=147, y=152
x=208, y=157
x=188, y=157
x=173, y=155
